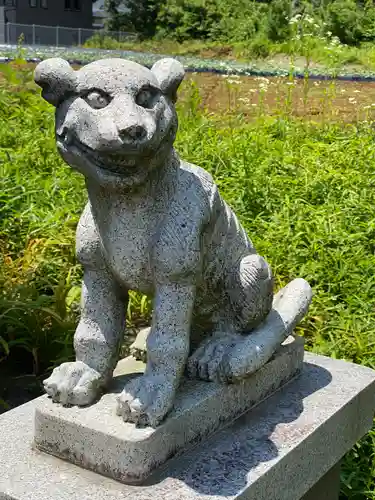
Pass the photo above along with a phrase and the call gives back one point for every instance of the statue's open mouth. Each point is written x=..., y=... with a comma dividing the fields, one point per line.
x=119, y=163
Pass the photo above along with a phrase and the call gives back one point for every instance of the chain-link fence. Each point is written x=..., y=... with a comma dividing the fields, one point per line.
x=35, y=34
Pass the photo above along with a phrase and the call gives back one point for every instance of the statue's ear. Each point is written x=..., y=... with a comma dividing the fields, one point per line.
x=169, y=73
x=56, y=78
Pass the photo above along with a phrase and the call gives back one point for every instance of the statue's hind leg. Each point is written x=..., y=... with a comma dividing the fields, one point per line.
x=252, y=351
x=249, y=291
x=229, y=355
x=247, y=299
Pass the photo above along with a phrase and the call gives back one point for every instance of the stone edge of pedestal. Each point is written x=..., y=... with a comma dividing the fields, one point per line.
x=354, y=420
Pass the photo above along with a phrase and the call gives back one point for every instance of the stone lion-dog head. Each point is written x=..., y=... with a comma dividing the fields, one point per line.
x=115, y=119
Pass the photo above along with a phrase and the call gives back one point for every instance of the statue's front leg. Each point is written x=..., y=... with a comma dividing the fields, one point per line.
x=147, y=399
x=96, y=342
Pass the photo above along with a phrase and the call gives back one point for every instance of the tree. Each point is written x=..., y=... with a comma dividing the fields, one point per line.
x=188, y=19
x=137, y=15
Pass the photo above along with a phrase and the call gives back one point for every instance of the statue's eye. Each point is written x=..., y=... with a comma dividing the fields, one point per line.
x=147, y=98
x=97, y=100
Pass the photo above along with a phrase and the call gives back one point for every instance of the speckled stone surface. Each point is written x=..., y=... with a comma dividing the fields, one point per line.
x=277, y=451
x=97, y=439
x=156, y=224
x=328, y=487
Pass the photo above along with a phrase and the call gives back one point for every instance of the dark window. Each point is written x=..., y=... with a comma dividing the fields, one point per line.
x=32, y=3
x=44, y=4
x=10, y=3
x=72, y=4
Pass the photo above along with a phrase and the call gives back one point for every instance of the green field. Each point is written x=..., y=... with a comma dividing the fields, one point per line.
x=304, y=191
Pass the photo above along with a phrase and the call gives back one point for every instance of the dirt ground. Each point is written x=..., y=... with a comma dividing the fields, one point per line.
x=313, y=99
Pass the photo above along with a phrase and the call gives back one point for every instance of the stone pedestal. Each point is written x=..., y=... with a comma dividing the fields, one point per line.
x=96, y=438
x=279, y=450
x=327, y=488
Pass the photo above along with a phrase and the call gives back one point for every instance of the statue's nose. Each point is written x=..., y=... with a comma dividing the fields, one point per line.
x=133, y=133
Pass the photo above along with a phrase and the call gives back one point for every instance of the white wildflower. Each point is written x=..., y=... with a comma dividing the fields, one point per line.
x=309, y=19
x=335, y=41
x=262, y=79
x=295, y=19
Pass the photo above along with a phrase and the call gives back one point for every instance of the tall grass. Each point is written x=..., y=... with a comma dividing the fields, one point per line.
x=40, y=204
x=303, y=190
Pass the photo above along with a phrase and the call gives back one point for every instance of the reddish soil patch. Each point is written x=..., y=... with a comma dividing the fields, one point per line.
x=313, y=99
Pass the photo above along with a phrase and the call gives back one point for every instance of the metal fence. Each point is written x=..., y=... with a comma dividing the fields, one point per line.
x=59, y=36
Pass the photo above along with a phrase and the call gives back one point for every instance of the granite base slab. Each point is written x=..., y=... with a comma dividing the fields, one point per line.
x=328, y=487
x=97, y=439
x=277, y=451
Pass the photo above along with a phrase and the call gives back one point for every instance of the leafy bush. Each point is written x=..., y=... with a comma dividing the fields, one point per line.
x=346, y=21
x=140, y=16
x=187, y=19
x=99, y=41
x=241, y=21
x=279, y=13
x=260, y=46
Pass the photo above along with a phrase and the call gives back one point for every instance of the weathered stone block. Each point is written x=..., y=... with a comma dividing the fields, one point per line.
x=97, y=439
x=277, y=451
x=328, y=487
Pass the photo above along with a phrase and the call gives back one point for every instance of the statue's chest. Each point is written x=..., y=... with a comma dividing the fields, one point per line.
x=127, y=238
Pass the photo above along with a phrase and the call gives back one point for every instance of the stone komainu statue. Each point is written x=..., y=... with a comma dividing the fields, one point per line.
x=156, y=224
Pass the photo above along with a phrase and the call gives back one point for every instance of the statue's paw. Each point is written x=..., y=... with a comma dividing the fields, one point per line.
x=225, y=369
x=254, y=355
x=74, y=384
x=204, y=362
x=146, y=400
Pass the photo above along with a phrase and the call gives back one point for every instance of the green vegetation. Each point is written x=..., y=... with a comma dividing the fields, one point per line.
x=242, y=20
x=326, y=55
x=304, y=191
x=336, y=32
